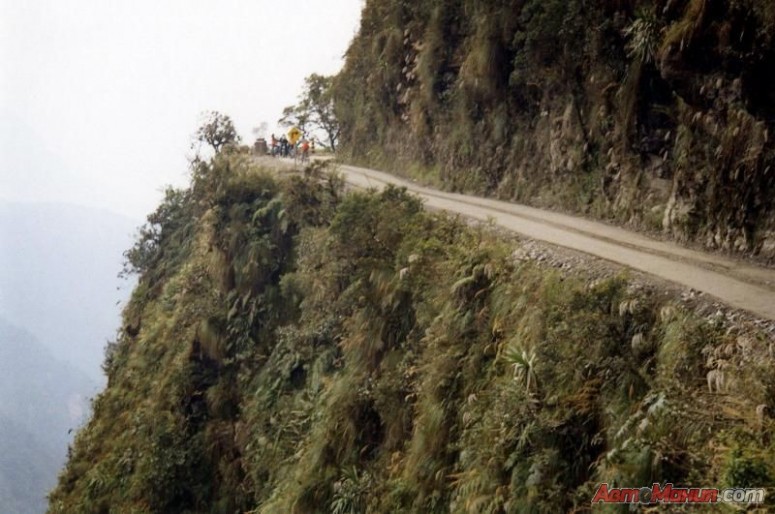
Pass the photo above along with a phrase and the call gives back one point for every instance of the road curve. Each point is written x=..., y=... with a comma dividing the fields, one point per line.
x=738, y=284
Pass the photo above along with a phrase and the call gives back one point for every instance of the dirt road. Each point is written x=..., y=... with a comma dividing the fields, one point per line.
x=738, y=284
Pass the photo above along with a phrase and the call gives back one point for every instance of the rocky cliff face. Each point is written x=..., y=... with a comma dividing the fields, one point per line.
x=655, y=113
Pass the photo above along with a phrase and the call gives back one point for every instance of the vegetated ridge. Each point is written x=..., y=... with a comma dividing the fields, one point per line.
x=654, y=113
x=292, y=348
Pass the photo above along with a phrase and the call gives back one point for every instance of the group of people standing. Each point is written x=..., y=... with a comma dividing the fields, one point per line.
x=285, y=147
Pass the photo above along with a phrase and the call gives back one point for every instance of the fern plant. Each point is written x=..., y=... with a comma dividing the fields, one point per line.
x=350, y=491
x=643, y=38
x=523, y=362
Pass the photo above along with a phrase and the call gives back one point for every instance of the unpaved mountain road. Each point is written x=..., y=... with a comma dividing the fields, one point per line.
x=741, y=285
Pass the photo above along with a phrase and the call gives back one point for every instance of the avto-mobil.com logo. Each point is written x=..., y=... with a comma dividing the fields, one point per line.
x=667, y=493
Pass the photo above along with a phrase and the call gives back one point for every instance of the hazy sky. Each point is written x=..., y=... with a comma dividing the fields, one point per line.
x=99, y=98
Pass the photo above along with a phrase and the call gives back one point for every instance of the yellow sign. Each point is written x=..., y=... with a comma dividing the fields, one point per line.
x=294, y=135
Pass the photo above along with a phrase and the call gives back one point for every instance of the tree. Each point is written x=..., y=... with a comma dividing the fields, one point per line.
x=217, y=131
x=173, y=213
x=296, y=116
x=315, y=109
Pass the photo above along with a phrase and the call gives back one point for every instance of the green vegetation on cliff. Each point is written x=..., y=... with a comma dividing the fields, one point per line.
x=294, y=348
x=657, y=113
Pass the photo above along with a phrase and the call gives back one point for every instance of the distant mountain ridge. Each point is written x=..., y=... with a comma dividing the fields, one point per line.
x=59, y=305
x=58, y=276
x=42, y=400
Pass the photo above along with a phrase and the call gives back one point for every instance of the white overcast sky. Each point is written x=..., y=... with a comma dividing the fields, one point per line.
x=99, y=98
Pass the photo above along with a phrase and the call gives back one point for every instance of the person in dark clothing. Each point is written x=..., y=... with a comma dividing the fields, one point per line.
x=284, y=146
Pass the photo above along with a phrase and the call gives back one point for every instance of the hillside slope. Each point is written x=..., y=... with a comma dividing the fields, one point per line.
x=294, y=349
x=654, y=113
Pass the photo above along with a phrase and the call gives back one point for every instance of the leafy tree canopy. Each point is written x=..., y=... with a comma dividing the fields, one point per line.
x=315, y=109
x=217, y=131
